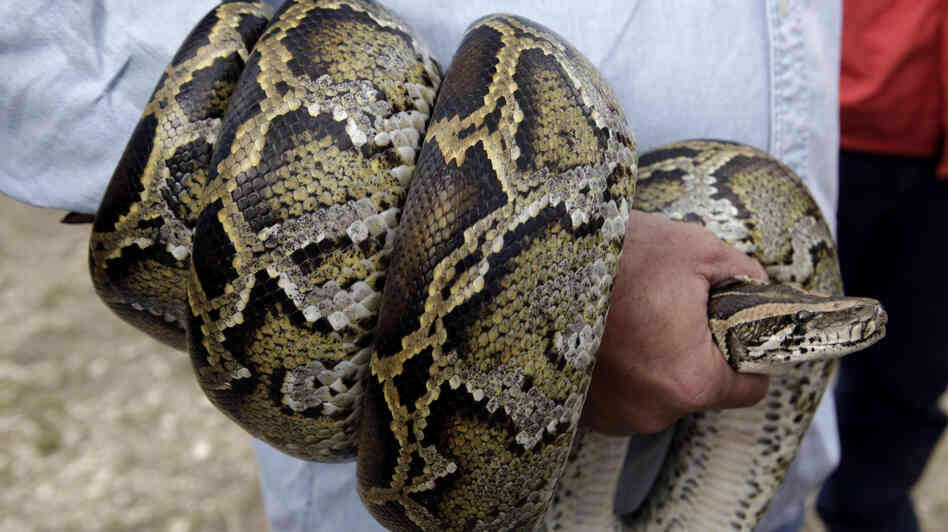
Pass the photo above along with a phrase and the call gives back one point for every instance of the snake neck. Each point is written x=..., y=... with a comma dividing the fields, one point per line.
x=761, y=328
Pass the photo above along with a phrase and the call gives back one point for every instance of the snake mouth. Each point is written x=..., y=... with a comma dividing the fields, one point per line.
x=777, y=361
x=829, y=350
x=796, y=348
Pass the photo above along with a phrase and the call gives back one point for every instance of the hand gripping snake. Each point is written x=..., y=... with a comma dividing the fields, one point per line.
x=365, y=260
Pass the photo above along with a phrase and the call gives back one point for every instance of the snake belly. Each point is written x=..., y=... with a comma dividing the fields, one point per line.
x=723, y=467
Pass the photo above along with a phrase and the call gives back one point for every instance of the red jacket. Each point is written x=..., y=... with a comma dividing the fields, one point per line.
x=894, y=82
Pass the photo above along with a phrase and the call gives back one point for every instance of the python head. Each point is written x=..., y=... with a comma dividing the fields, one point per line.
x=762, y=327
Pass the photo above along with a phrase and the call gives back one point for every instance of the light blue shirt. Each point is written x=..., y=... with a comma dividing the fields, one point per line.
x=759, y=72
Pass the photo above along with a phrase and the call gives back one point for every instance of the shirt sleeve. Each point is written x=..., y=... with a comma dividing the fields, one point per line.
x=78, y=76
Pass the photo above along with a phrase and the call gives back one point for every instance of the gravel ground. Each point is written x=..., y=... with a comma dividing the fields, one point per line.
x=103, y=429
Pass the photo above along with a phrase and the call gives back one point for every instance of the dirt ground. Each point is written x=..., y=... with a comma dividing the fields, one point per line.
x=103, y=429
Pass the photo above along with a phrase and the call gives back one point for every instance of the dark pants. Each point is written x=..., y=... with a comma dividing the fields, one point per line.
x=893, y=244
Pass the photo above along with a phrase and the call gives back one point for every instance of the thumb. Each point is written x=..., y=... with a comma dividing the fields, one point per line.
x=736, y=390
x=726, y=261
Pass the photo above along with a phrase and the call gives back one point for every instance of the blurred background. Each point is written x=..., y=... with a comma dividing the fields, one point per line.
x=104, y=429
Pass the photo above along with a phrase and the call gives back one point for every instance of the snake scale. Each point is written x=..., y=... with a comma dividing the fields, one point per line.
x=366, y=260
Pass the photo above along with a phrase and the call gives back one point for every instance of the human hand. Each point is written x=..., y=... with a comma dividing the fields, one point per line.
x=657, y=360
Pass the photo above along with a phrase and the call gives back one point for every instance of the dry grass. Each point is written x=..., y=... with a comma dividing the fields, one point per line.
x=102, y=429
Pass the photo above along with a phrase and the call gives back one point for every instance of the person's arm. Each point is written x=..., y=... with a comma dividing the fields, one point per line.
x=657, y=361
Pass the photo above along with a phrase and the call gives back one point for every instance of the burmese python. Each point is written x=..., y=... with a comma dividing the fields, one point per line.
x=258, y=218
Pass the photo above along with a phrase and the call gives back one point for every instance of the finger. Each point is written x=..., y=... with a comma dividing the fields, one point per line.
x=738, y=390
x=743, y=390
x=729, y=262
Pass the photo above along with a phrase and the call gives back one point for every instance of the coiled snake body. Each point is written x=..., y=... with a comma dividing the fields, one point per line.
x=259, y=219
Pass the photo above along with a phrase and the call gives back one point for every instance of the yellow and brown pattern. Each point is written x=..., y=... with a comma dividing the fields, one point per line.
x=141, y=239
x=261, y=218
x=304, y=190
x=724, y=467
x=271, y=249
x=498, y=286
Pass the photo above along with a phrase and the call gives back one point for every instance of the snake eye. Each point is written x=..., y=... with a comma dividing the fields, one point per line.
x=803, y=315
